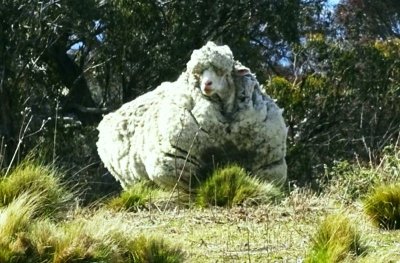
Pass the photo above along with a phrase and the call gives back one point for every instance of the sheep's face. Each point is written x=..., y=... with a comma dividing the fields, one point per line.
x=213, y=81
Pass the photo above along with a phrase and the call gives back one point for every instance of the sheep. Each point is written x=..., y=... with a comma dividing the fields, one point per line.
x=213, y=113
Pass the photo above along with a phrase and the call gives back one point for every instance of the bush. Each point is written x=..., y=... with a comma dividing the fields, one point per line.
x=383, y=206
x=231, y=185
x=335, y=240
x=43, y=180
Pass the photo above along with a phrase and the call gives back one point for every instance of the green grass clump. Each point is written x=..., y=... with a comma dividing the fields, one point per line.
x=136, y=196
x=39, y=179
x=383, y=206
x=153, y=249
x=231, y=185
x=335, y=240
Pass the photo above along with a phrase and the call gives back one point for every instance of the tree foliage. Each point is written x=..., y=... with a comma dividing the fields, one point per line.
x=365, y=19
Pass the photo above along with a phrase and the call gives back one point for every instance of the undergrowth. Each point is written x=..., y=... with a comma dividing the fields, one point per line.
x=351, y=181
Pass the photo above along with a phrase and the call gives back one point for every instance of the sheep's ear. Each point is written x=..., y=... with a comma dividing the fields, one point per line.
x=242, y=71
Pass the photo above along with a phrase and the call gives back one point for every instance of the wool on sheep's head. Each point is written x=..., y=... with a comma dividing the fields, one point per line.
x=211, y=56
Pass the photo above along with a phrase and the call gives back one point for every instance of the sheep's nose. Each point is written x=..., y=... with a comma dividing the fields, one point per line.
x=208, y=83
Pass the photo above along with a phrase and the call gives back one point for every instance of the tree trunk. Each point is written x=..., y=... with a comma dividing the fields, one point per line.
x=6, y=125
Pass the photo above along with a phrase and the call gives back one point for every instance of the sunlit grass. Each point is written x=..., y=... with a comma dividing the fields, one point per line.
x=126, y=230
x=150, y=249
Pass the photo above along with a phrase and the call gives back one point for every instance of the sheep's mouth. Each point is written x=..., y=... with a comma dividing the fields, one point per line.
x=208, y=91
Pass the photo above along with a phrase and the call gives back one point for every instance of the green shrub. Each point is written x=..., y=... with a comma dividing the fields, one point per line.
x=231, y=185
x=383, y=206
x=335, y=240
x=43, y=180
x=137, y=196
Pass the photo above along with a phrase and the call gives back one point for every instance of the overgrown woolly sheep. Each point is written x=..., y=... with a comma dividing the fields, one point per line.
x=181, y=130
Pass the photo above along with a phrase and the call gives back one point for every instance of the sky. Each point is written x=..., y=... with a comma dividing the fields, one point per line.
x=333, y=2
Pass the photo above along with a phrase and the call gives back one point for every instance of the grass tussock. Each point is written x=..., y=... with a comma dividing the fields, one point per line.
x=103, y=239
x=98, y=238
x=335, y=240
x=382, y=205
x=137, y=196
x=39, y=179
x=15, y=219
x=154, y=250
x=231, y=185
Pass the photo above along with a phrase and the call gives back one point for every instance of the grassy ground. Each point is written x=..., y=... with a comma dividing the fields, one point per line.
x=279, y=232
x=240, y=234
